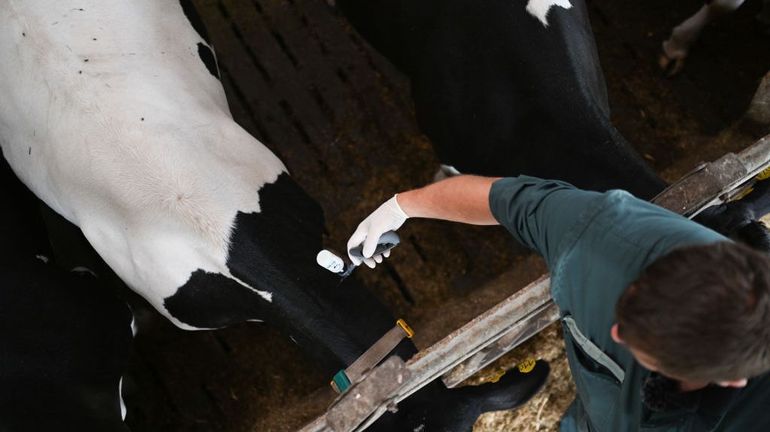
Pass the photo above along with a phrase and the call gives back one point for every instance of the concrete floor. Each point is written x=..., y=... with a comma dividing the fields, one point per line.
x=339, y=115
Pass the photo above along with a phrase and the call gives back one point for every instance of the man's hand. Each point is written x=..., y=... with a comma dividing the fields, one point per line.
x=388, y=217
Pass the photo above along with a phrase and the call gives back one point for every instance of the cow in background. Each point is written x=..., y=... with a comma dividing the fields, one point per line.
x=683, y=36
x=504, y=88
x=114, y=116
x=66, y=337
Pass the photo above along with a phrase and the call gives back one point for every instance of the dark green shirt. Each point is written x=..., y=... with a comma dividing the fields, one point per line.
x=595, y=245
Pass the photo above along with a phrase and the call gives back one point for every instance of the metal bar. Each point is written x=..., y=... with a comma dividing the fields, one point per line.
x=708, y=183
x=523, y=314
x=529, y=326
x=478, y=333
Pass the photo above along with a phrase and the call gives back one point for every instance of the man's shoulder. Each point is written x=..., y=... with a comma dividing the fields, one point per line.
x=626, y=221
x=554, y=217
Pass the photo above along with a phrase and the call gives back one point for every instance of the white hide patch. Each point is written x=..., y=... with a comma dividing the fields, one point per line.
x=132, y=139
x=539, y=8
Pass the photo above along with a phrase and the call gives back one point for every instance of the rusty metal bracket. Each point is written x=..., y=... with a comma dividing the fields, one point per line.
x=522, y=315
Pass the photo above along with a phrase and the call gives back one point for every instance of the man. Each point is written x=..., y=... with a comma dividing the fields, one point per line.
x=666, y=323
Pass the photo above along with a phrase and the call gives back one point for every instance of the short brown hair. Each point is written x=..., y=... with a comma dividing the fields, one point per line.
x=703, y=312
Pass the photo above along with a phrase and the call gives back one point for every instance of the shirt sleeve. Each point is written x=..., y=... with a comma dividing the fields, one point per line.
x=541, y=213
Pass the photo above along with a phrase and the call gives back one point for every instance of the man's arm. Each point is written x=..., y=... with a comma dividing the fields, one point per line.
x=458, y=199
x=536, y=212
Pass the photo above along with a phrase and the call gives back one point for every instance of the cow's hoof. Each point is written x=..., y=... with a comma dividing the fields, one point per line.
x=672, y=57
x=670, y=66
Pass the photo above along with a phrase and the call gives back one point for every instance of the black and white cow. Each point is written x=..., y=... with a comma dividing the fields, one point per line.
x=112, y=114
x=504, y=88
x=683, y=36
x=65, y=338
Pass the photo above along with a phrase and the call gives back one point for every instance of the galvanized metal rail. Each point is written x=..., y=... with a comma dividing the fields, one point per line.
x=520, y=316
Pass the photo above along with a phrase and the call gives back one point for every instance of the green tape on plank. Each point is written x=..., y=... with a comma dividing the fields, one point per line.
x=340, y=383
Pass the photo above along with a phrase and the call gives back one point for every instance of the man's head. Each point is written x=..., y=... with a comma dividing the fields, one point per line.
x=700, y=314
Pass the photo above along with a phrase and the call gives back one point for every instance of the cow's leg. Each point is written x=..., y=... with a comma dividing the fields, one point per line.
x=677, y=47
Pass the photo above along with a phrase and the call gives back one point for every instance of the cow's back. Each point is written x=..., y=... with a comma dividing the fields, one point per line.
x=113, y=118
x=103, y=90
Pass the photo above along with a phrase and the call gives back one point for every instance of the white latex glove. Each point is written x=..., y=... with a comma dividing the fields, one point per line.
x=387, y=217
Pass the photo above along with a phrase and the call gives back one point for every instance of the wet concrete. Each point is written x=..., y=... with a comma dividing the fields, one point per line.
x=299, y=79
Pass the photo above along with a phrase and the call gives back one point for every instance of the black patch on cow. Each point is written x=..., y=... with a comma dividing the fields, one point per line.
x=195, y=19
x=286, y=234
x=212, y=300
x=274, y=251
x=207, y=57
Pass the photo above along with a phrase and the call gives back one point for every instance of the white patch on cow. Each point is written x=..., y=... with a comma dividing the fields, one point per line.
x=123, y=409
x=43, y=258
x=540, y=8
x=134, y=141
